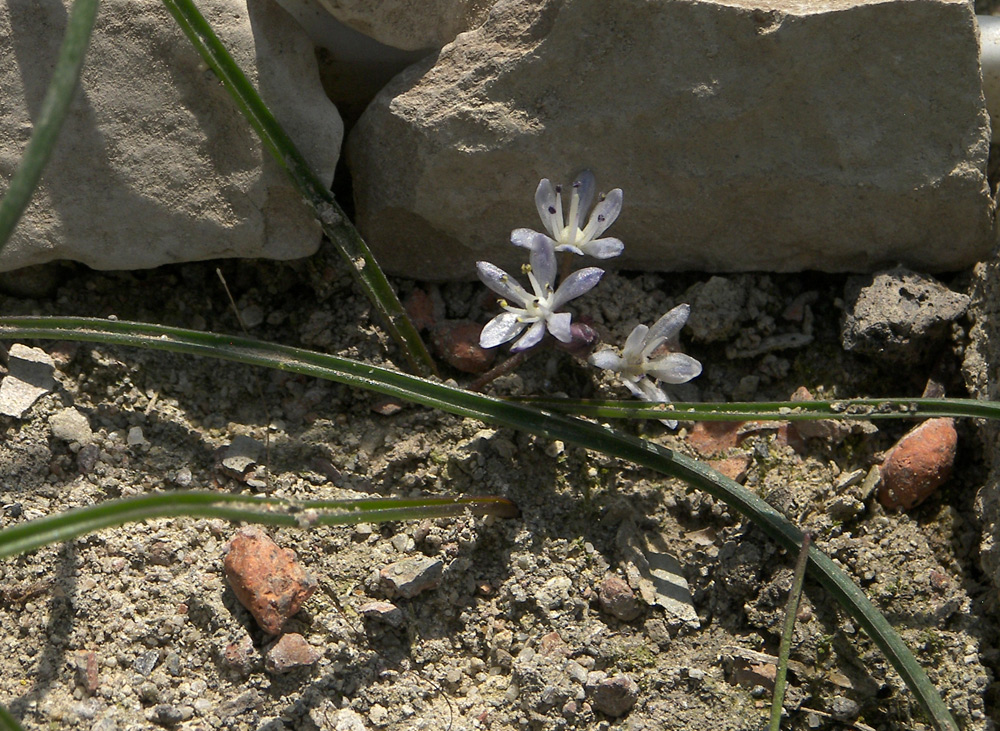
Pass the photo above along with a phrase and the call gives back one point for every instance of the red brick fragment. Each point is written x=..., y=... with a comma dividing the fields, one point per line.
x=266, y=579
x=457, y=342
x=918, y=464
x=714, y=437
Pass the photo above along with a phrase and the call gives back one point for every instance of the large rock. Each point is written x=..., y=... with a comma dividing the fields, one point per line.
x=747, y=135
x=155, y=163
x=409, y=24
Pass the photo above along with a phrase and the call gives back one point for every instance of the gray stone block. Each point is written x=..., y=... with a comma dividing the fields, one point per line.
x=847, y=135
x=155, y=163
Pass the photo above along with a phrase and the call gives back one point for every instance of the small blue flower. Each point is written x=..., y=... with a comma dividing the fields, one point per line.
x=639, y=371
x=533, y=312
x=576, y=232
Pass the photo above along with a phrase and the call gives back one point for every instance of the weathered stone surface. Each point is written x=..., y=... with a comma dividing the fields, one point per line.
x=410, y=24
x=767, y=135
x=289, y=653
x=30, y=375
x=155, y=164
x=411, y=576
x=899, y=316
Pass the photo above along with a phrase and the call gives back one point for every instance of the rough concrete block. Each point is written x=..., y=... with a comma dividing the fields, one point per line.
x=846, y=135
x=155, y=164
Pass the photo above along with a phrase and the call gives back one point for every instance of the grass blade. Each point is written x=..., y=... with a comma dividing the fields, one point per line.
x=34, y=534
x=8, y=722
x=55, y=106
x=850, y=409
x=517, y=416
x=785, y=649
x=357, y=256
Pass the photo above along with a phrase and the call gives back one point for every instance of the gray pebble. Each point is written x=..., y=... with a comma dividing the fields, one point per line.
x=70, y=425
x=409, y=577
x=898, y=315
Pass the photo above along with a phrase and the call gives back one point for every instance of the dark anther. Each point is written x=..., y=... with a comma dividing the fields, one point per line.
x=600, y=217
x=577, y=183
x=552, y=210
x=558, y=189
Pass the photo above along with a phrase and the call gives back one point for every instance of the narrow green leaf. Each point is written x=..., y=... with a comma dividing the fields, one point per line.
x=785, y=648
x=34, y=534
x=55, y=106
x=536, y=421
x=849, y=409
x=8, y=722
x=357, y=256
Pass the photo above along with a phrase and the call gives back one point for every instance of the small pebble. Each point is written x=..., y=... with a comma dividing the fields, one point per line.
x=70, y=425
x=617, y=598
x=145, y=663
x=289, y=653
x=252, y=316
x=240, y=655
x=615, y=696
x=919, y=464
x=409, y=577
x=420, y=309
x=169, y=715
x=457, y=342
x=266, y=579
x=135, y=437
x=384, y=612
x=29, y=377
x=86, y=671
x=241, y=456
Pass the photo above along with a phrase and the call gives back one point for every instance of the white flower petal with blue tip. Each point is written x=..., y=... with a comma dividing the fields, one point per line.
x=639, y=371
x=574, y=232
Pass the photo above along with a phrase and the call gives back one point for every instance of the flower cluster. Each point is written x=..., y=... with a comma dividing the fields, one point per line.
x=538, y=310
x=527, y=315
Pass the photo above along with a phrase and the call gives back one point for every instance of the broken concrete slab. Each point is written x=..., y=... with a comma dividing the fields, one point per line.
x=746, y=134
x=155, y=163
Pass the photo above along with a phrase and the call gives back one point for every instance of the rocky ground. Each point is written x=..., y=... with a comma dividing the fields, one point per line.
x=539, y=622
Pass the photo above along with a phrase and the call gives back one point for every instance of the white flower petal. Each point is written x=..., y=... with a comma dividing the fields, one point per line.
x=607, y=359
x=605, y=213
x=603, y=248
x=579, y=282
x=570, y=248
x=528, y=239
x=559, y=326
x=583, y=188
x=674, y=368
x=530, y=338
x=549, y=205
x=501, y=282
x=505, y=326
x=634, y=343
x=630, y=384
x=649, y=391
x=667, y=327
x=543, y=265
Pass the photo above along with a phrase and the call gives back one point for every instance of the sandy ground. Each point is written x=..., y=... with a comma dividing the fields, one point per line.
x=136, y=628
